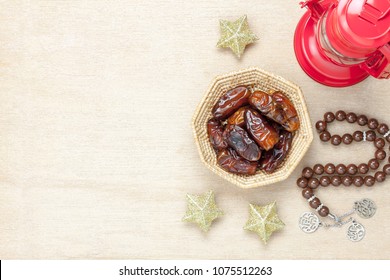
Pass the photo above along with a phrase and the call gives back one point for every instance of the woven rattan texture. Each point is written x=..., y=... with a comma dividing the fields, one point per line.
x=264, y=81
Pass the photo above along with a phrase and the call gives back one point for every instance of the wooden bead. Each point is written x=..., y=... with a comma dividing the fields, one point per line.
x=308, y=183
x=307, y=172
x=363, y=168
x=318, y=169
x=379, y=143
x=362, y=120
x=321, y=126
x=315, y=203
x=325, y=136
x=380, y=154
x=347, y=138
x=324, y=211
x=370, y=135
x=340, y=115
x=358, y=136
x=373, y=164
x=330, y=168
x=347, y=181
x=313, y=183
x=307, y=193
x=373, y=123
x=352, y=169
x=336, y=140
x=358, y=181
x=386, y=169
x=383, y=128
x=369, y=181
x=351, y=117
x=341, y=169
x=329, y=117
x=380, y=176
x=336, y=180
x=325, y=181
x=302, y=182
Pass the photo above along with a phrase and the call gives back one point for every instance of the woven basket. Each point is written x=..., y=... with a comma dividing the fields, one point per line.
x=264, y=81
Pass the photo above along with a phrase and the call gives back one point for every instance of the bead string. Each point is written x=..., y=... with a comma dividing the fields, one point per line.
x=341, y=174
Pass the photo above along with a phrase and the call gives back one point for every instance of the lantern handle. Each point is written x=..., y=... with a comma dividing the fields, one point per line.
x=373, y=11
x=378, y=64
x=316, y=7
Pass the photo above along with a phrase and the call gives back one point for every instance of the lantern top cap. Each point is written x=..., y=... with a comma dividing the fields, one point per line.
x=365, y=23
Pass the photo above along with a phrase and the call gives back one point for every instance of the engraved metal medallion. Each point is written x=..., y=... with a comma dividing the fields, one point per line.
x=309, y=222
x=365, y=208
x=356, y=232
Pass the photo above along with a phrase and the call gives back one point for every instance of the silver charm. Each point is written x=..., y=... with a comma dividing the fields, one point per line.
x=365, y=208
x=355, y=232
x=309, y=222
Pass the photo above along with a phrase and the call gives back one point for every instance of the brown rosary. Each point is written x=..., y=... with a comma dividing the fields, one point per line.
x=345, y=175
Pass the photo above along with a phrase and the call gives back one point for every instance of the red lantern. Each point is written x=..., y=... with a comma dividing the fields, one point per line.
x=340, y=43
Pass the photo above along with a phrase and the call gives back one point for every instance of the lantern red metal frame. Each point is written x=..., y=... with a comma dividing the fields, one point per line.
x=340, y=43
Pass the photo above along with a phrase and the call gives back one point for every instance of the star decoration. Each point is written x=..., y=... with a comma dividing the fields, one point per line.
x=202, y=210
x=263, y=220
x=236, y=35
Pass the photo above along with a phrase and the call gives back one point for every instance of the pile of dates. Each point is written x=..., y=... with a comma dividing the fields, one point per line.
x=252, y=130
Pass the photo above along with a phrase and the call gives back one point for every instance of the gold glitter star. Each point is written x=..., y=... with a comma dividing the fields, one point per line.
x=236, y=35
x=263, y=220
x=202, y=210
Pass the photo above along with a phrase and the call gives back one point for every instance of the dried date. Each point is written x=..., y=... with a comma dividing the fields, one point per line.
x=215, y=132
x=276, y=107
x=260, y=130
x=230, y=102
x=267, y=106
x=238, y=117
x=273, y=158
x=238, y=139
x=231, y=162
x=291, y=122
x=267, y=124
x=276, y=126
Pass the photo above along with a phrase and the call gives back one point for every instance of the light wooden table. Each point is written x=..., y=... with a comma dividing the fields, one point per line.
x=97, y=152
